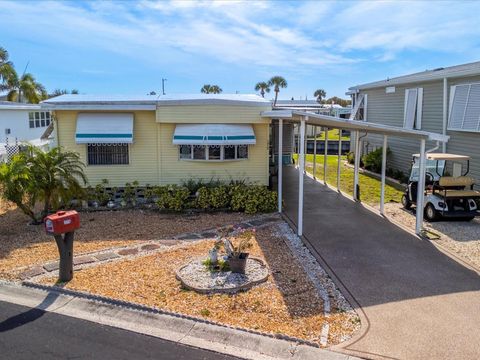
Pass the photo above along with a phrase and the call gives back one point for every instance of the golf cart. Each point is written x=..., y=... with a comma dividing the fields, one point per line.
x=445, y=196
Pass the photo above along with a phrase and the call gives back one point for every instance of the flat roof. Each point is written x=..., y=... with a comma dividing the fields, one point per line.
x=346, y=124
x=11, y=105
x=149, y=102
x=462, y=70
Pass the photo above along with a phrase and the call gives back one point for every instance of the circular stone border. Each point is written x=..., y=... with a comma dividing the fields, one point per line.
x=242, y=287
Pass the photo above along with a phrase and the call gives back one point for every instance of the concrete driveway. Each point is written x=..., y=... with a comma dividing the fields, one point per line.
x=416, y=301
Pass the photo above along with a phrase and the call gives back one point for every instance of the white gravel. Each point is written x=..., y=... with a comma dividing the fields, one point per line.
x=459, y=237
x=196, y=275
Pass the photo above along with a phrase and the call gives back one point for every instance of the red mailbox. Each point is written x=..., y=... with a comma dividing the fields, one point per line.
x=62, y=222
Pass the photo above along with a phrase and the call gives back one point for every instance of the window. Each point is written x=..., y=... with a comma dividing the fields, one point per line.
x=213, y=152
x=38, y=119
x=107, y=154
x=412, y=117
x=465, y=108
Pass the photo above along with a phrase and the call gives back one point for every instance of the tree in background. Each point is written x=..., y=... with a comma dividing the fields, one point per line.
x=25, y=88
x=211, y=89
x=337, y=100
x=53, y=177
x=263, y=87
x=277, y=82
x=319, y=94
x=6, y=69
x=58, y=92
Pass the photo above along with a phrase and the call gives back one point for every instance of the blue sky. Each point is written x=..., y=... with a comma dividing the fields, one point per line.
x=127, y=47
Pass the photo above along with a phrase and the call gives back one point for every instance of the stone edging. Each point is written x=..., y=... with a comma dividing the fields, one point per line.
x=144, y=248
x=155, y=310
x=236, y=289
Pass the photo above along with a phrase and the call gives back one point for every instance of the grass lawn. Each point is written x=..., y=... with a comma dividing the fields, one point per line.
x=369, y=186
x=332, y=135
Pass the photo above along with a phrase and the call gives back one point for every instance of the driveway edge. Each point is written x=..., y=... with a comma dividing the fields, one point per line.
x=149, y=321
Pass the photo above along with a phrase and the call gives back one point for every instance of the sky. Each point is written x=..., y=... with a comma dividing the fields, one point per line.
x=127, y=47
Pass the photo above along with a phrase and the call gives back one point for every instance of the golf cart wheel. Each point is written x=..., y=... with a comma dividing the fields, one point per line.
x=431, y=213
x=406, y=202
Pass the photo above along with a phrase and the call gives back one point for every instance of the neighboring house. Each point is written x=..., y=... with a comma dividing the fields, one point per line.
x=313, y=106
x=165, y=139
x=19, y=123
x=444, y=100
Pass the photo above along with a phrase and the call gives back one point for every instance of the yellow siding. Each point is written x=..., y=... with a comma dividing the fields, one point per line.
x=143, y=164
x=211, y=114
x=174, y=171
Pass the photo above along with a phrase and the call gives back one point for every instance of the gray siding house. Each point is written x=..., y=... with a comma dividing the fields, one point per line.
x=444, y=100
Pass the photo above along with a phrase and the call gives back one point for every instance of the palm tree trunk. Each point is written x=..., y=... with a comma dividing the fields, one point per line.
x=276, y=96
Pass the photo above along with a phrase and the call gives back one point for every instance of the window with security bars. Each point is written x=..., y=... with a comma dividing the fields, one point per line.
x=107, y=154
x=465, y=108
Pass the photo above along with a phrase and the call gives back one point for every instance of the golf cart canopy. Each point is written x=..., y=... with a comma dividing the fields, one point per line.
x=443, y=156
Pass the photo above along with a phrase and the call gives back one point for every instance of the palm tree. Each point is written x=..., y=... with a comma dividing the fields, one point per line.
x=319, y=94
x=263, y=87
x=57, y=175
x=25, y=88
x=211, y=89
x=58, y=92
x=6, y=69
x=277, y=82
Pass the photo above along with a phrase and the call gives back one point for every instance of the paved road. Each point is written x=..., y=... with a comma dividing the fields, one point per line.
x=419, y=302
x=27, y=333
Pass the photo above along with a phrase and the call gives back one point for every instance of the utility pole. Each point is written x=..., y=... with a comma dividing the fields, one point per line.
x=163, y=86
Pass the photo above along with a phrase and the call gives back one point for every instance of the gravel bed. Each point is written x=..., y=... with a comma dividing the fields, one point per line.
x=196, y=276
x=460, y=237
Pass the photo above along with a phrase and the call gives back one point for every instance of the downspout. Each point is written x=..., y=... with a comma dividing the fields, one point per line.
x=445, y=108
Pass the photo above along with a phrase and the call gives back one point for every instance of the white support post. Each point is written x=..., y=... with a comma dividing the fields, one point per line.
x=298, y=143
x=300, y=177
x=280, y=164
x=339, y=157
x=444, y=113
x=356, y=165
x=314, y=151
x=325, y=157
x=384, y=168
x=421, y=189
x=305, y=148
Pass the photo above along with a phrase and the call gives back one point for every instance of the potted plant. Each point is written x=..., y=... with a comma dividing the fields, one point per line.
x=236, y=251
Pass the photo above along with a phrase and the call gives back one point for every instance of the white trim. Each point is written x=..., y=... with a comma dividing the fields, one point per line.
x=365, y=107
x=280, y=165
x=301, y=171
x=444, y=113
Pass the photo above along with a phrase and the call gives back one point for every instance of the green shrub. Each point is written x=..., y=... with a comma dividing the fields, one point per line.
x=172, y=197
x=203, y=198
x=373, y=160
x=253, y=199
x=351, y=157
x=220, y=197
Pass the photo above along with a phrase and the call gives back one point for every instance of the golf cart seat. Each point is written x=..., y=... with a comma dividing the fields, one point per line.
x=458, y=181
x=461, y=194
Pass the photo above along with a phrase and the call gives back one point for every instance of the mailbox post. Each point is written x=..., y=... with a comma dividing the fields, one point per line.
x=62, y=226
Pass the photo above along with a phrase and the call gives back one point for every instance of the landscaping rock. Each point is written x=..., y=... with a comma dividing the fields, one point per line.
x=189, y=237
x=195, y=276
x=32, y=272
x=106, y=256
x=51, y=266
x=80, y=260
x=149, y=247
x=125, y=252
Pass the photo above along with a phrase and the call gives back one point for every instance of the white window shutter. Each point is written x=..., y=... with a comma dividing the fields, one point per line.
x=358, y=104
x=410, y=108
x=458, y=104
x=418, y=120
x=365, y=107
x=472, y=109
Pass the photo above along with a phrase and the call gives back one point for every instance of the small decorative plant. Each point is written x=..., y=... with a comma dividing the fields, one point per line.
x=237, y=250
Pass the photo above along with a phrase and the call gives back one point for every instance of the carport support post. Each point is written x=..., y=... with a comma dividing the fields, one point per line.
x=300, y=176
x=356, y=165
x=339, y=157
x=384, y=165
x=314, y=151
x=421, y=189
x=325, y=153
x=280, y=163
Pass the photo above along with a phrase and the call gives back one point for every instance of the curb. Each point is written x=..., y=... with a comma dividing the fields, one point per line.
x=182, y=329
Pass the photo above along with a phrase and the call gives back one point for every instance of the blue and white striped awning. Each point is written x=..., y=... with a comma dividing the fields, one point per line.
x=105, y=128
x=214, y=134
